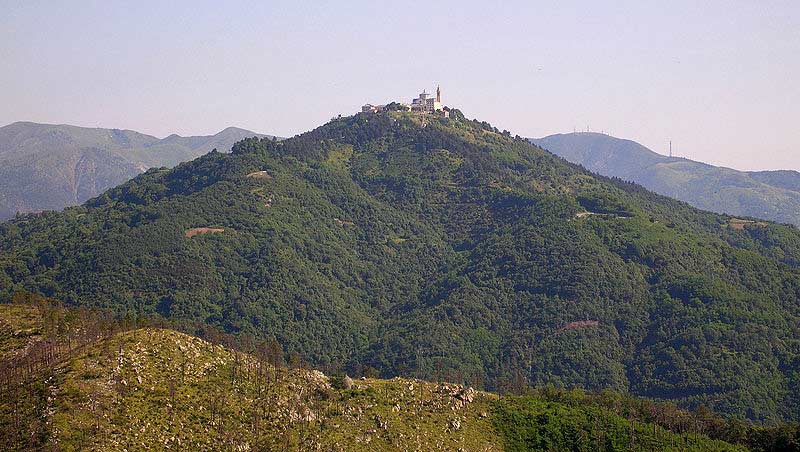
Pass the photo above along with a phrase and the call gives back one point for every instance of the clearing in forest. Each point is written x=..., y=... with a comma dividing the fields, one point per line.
x=199, y=231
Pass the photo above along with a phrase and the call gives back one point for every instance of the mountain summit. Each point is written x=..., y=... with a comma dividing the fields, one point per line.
x=49, y=167
x=437, y=247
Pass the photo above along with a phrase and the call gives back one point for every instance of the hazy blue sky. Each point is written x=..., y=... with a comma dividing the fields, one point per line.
x=719, y=78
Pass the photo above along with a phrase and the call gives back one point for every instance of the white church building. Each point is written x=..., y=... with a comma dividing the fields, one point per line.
x=425, y=103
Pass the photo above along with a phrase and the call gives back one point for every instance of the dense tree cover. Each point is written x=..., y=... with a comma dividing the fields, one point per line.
x=529, y=423
x=443, y=249
x=555, y=419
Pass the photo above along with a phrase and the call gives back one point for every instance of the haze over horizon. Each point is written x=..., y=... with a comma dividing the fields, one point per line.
x=718, y=79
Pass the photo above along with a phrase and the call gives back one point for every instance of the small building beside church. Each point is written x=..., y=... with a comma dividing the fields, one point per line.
x=369, y=108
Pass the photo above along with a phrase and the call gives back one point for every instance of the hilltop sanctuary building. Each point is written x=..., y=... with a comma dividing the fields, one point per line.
x=425, y=103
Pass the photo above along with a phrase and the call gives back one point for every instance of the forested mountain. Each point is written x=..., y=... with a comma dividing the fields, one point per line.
x=439, y=249
x=49, y=167
x=772, y=195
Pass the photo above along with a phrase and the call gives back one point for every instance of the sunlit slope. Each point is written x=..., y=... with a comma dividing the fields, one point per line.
x=157, y=389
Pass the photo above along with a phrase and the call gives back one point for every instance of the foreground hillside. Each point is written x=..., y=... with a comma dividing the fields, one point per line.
x=157, y=389
x=49, y=167
x=772, y=195
x=440, y=250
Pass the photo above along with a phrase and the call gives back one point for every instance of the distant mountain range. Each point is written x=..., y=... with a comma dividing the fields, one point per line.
x=49, y=167
x=772, y=195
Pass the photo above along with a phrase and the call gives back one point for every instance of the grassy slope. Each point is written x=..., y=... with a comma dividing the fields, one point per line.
x=19, y=326
x=212, y=408
x=156, y=389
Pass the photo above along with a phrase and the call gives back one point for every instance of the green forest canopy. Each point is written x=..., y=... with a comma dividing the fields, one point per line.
x=445, y=250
